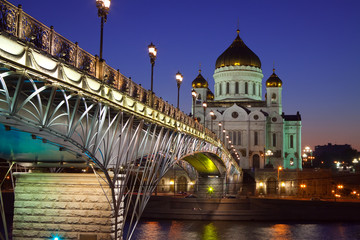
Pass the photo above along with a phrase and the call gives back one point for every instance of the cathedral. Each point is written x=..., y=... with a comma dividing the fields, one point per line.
x=256, y=130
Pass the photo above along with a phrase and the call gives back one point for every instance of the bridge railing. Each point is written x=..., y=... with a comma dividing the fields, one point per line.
x=21, y=25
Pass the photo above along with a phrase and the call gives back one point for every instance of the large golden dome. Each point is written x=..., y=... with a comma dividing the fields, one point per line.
x=200, y=82
x=274, y=80
x=238, y=54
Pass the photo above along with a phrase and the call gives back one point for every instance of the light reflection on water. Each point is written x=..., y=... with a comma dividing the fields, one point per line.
x=232, y=230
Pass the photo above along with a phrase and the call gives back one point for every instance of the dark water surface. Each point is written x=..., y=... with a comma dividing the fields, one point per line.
x=232, y=230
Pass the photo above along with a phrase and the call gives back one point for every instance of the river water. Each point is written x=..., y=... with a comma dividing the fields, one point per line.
x=232, y=230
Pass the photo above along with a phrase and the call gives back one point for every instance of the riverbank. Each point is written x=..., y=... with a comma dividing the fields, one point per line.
x=250, y=209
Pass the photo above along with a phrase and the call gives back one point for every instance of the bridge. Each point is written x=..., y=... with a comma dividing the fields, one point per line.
x=94, y=143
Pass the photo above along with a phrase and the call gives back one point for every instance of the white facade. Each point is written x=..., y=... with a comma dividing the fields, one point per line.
x=247, y=124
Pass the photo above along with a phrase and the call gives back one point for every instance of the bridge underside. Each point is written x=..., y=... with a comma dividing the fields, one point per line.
x=55, y=115
x=206, y=164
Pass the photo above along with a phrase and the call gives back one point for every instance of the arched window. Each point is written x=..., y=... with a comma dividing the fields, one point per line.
x=246, y=88
x=273, y=97
x=199, y=96
x=274, y=139
x=237, y=88
x=291, y=141
x=227, y=88
x=254, y=89
x=256, y=138
x=239, y=137
x=256, y=161
x=234, y=137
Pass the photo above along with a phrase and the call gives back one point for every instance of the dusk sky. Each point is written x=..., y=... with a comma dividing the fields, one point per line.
x=315, y=46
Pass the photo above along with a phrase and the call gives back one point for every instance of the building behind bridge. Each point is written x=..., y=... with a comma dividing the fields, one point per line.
x=256, y=130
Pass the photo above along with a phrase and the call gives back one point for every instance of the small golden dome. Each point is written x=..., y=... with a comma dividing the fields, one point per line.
x=238, y=54
x=274, y=80
x=200, y=82
x=209, y=95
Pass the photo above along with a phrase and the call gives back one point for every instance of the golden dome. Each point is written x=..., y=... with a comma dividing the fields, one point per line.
x=200, y=82
x=274, y=80
x=238, y=54
x=209, y=95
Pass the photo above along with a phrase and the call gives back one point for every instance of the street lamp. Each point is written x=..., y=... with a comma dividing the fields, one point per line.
x=303, y=186
x=220, y=130
x=279, y=169
x=212, y=114
x=269, y=153
x=179, y=78
x=194, y=95
x=152, y=55
x=103, y=10
x=204, y=106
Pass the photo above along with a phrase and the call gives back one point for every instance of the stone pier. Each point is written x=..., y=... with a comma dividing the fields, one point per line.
x=68, y=205
x=216, y=183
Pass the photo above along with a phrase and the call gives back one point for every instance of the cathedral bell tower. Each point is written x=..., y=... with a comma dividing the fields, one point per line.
x=204, y=94
x=274, y=93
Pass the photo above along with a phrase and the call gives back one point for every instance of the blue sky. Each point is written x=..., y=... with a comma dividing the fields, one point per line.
x=314, y=44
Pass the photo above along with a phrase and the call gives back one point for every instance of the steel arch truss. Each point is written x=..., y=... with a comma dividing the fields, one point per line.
x=133, y=154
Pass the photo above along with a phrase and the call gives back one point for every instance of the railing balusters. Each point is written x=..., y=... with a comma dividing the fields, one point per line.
x=59, y=46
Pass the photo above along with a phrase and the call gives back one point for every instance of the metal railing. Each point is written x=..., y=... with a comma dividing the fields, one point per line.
x=15, y=22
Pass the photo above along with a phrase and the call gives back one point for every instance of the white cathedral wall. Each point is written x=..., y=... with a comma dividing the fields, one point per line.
x=240, y=74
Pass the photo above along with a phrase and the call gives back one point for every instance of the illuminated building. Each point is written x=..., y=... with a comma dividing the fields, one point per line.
x=250, y=125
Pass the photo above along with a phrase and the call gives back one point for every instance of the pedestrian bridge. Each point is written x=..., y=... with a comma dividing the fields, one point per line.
x=62, y=107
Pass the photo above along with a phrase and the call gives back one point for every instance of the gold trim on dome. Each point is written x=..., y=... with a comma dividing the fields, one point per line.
x=238, y=54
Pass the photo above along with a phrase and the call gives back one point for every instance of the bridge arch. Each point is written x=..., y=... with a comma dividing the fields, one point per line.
x=68, y=105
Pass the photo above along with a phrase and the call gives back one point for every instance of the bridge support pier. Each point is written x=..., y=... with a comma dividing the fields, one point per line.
x=68, y=205
x=205, y=183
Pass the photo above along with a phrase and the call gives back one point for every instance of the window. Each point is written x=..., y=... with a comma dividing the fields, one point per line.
x=236, y=88
x=291, y=141
x=227, y=88
x=256, y=140
x=234, y=137
x=259, y=90
x=274, y=139
x=291, y=162
x=273, y=97
x=246, y=88
x=239, y=137
x=199, y=96
x=220, y=89
x=253, y=88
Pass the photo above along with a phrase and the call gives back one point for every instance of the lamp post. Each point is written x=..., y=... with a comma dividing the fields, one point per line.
x=269, y=153
x=179, y=78
x=220, y=124
x=303, y=186
x=204, y=107
x=278, y=178
x=212, y=114
x=152, y=55
x=103, y=7
x=194, y=95
x=223, y=135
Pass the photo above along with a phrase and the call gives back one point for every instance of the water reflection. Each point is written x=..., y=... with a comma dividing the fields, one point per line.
x=210, y=232
x=233, y=230
x=280, y=231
